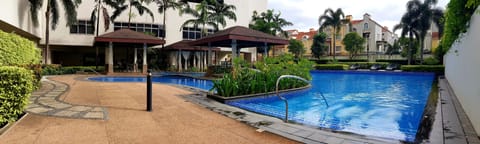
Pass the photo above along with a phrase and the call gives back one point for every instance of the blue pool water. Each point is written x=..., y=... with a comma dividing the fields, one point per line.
x=383, y=104
x=179, y=80
x=388, y=105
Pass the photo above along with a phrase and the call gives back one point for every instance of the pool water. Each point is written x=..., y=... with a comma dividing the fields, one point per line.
x=381, y=104
x=388, y=105
x=169, y=79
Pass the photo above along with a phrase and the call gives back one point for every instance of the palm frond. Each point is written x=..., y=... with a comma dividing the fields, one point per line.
x=118, y=11
x=106, y=18
x=54, y=13
x=93, y=17
x=70, y=8
x=35, y=6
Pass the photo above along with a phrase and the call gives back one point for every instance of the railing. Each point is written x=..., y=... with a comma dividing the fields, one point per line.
x=282, y=98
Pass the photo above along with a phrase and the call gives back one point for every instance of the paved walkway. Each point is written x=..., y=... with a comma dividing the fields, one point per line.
x=46, y=101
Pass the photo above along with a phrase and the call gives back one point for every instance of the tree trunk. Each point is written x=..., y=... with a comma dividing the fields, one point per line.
x=410, y=48
x=129, y=14
x=47, y=33
x=421, y=51
x=334, y=40
x=164, y=25
x=98, y=23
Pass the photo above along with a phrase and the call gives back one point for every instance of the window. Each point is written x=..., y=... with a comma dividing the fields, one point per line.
x=365, y=26
x=150, y=29
x=338, y=48
x=305, y=37
x=190, y=33
x=338, y=36
x=82, y=27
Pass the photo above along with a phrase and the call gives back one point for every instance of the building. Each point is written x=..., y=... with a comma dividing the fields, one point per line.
x=378, y=36
x=305, y=37
x=74, y=45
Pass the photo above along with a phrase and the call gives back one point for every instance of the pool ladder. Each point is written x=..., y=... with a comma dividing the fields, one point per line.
x=283, y=98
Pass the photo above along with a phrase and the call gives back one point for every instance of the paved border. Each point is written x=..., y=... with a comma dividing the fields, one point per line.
x=46, y=101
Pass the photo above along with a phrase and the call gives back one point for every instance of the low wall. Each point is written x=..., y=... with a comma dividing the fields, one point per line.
x=462, y=69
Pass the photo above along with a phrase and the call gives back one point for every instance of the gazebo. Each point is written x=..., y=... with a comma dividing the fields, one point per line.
x=184, y=56
x=238, y=37
x=126, y=39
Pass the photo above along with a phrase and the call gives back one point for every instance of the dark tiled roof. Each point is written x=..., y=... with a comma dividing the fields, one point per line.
x=129, y=36
x=243, y=35
x=185, y=45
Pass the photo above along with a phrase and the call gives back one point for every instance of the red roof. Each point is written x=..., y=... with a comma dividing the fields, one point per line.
x=245, y=38
x=185, y=45
x=356, y=21
x=129, y=36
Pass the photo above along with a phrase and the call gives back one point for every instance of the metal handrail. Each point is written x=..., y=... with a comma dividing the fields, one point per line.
x=284, y=99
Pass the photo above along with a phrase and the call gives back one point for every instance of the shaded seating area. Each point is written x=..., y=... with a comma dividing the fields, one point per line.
x=236, y=38
x=126, y=50
x=184, y=57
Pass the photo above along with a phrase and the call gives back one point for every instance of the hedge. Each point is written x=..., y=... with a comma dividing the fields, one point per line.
x=398, y=61
x=15, y=50
x=437, y=69
x=54, y=69
x=16, y=85
x=331, y=67
x=326, y=61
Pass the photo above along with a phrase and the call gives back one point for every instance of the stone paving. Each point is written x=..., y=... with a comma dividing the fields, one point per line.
x=46, y=101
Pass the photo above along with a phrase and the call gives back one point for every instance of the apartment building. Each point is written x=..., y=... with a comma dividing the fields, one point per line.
x=74, y=45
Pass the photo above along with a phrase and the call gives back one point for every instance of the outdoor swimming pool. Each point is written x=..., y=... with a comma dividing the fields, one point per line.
x=382, y=104
x=169, y=79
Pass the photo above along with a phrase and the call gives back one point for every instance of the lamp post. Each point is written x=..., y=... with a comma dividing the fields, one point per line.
x=367, y=35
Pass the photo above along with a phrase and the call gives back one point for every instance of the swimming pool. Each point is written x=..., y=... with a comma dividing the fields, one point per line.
x=169, y=79
x=382, y=104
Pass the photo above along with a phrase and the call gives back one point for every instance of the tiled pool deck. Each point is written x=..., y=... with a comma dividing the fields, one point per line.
x=451, y=124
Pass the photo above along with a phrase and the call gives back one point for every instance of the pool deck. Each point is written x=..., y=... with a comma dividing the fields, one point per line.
x=68, y=106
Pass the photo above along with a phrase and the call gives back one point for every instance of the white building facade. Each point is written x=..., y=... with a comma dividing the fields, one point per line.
x=74, y=45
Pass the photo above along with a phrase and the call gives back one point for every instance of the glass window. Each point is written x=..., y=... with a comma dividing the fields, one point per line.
x=153, y=29
x=338, y=48
x=365, y=26
x=82, y=27
x=190, y=33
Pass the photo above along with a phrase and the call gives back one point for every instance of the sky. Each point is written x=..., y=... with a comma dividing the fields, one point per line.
x=304, y=14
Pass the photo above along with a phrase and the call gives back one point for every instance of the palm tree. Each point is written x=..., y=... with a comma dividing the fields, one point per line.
x=95, y=19
x=269, y=22
x=138, y=4
x=202, y=16
x=428, y=14
x=334, y=19
x=222, y=11
x=163, y=6
x=409, y=24
x=52, y=14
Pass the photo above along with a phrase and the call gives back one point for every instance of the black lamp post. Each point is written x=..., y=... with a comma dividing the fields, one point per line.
x=367, y=35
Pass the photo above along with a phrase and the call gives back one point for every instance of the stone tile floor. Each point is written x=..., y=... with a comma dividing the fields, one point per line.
x=46, y=101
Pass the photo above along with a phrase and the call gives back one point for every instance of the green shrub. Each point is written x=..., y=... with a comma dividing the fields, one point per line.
x=326, y=61
x=243, y=80
x=15, y=50
x=53, y=69
x=397, y=61
x=437, y=69
x=331, y=67
x=16, y=85
x=431, y=61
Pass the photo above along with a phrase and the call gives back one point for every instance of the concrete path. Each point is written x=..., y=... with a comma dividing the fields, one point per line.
x=173, y=119
x=46, y=101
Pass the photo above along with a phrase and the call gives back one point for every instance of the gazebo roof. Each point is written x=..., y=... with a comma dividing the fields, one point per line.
x=185, y=45
x=129, y=36
x=245, y=38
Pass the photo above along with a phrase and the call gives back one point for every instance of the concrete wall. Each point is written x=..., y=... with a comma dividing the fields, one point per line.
x=463, y=72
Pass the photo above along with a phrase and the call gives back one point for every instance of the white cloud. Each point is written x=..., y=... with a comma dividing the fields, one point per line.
x=304, y=13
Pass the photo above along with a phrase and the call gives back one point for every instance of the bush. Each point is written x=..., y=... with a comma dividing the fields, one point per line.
x=331, y=67
x=16, y=85
x=437, y=69
x=431, y=61
x=15, y=50
x=326, y=61
x=243, y=80
x=402, y=62
x=54, y=69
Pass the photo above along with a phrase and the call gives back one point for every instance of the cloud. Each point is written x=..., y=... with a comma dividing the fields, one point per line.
x=304, y=13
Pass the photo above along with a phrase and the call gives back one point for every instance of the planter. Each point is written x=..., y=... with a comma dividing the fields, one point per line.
x=6, y=127
x=223, y=99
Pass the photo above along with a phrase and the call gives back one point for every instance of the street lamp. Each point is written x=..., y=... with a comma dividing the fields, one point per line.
x=367, y=35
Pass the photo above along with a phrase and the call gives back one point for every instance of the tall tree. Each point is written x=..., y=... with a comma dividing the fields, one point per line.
x=137, y=4
x=427, y=14
x=409, y=23
x=319, y=46
x=52, y=15
x=95, y=19
x=271, y=23
x=163, y=6
x=334, y=19
x=353, y=43
x=222, y=11
x=202, y=16
x=296, y=47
